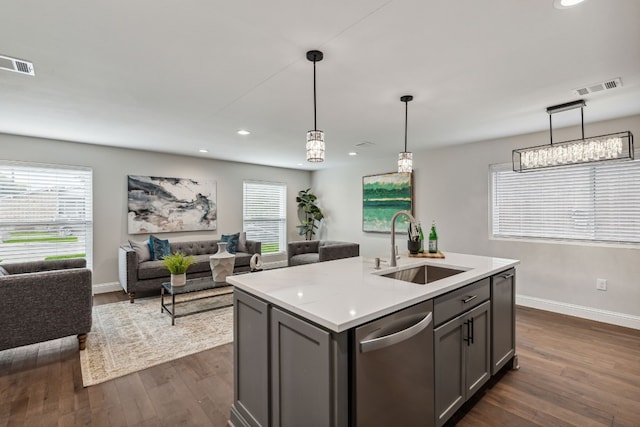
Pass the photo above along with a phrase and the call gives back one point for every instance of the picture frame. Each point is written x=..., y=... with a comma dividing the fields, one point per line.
x=382, y=196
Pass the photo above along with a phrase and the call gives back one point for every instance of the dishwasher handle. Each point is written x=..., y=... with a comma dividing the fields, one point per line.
x=397, y=337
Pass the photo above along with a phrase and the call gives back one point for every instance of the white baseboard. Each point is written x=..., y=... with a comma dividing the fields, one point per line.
x=612, y=317
x=103, y=288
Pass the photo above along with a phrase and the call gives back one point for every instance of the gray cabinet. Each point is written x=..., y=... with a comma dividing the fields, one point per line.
x=250, y=361
x=300, y=372
x=461, y=347
x=503, y=341
x=287, y=371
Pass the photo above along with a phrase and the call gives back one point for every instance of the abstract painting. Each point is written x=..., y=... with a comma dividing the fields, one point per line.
x=161, y=205
x=384, y=195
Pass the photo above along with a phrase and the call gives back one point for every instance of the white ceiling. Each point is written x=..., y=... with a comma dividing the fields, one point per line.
x=177, y=76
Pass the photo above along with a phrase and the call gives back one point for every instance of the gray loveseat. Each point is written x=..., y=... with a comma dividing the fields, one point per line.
x=310, y=251
x=149, y=275
x=45, y=300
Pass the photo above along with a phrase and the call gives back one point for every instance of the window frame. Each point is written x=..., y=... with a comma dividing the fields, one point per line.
x=282, y=244
x=507, y=167
x=56, y=220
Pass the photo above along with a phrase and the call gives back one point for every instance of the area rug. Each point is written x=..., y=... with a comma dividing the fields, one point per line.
x=127, y=337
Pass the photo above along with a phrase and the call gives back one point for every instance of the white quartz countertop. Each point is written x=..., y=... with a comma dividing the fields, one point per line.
x=342, y=294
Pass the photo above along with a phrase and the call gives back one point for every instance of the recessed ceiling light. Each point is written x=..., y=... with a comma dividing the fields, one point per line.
x=243, y=132
x=299, y=164
x=565, y=4
x=353, y=153
x=203, y=150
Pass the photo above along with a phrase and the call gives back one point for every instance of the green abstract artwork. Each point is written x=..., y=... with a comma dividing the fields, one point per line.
x=382, y=196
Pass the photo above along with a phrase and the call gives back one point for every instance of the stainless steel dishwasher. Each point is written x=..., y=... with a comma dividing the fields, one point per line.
x=393, y=380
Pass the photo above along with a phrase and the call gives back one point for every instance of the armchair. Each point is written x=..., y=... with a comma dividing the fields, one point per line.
x=310, y=251
x=45, y=300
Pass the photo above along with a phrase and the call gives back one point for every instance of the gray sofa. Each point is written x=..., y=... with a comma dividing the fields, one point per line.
x=310, y=251
x=45, y=300
x=149, y=275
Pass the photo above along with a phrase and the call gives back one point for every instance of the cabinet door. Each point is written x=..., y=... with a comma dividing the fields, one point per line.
x=478, y=348
x=449, y=361
x=301, y=372
x=250, y=357
x=503, y=331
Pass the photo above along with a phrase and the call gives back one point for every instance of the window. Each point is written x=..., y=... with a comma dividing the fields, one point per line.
x=265, y=215
x=595, y=203
x=45, y=212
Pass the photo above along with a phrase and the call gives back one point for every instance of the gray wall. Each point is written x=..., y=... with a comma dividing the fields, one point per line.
x=451, y=186
x=110, y=169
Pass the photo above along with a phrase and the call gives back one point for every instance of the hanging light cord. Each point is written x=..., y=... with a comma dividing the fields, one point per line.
x=315, y=125
x=406, y=115
x=564, y=107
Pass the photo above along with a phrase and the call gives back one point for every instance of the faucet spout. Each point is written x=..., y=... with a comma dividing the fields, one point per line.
x=392, y=261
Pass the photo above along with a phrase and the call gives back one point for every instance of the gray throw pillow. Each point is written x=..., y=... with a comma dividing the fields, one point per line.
x=3, y=272
x=142, y=249
x=242, y=242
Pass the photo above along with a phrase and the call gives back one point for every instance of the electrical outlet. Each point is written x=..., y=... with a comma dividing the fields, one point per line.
x=601, y=284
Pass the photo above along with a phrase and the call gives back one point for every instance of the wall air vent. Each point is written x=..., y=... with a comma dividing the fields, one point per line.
x=16, y=65
x=598, y=87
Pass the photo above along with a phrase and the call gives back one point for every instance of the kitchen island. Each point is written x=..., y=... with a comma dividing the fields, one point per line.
x=299, y=360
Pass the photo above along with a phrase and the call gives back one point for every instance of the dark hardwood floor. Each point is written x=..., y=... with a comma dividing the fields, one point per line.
x=573, y=372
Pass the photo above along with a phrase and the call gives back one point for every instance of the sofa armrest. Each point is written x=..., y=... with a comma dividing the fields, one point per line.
x=254, y=247
x=338, y=250
x=45, y=305
x=127, y=268
x=45, y=265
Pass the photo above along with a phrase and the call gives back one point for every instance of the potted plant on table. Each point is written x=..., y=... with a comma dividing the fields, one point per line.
x=178, y=264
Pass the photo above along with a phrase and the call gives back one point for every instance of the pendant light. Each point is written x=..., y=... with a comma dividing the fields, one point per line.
x=315, y=137
x=405, y=159
x=615, y=146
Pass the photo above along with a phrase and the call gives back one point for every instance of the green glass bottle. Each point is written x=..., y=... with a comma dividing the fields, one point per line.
x=433, y=239
x=421, y=238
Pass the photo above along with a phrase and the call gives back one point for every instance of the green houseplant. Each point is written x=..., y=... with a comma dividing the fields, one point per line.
x=178, y=264
x=312, y=213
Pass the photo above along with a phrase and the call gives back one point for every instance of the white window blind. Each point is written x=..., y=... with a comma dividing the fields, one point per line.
x=45, y=212
x=595, y=203
x=265, y=214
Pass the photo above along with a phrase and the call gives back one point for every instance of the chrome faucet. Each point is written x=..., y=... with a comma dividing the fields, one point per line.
x=392, y=261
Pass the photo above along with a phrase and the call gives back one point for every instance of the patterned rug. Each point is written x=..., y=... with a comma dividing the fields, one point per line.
x=127, y=337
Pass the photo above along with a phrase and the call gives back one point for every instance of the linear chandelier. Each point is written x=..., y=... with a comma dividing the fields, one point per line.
x=405, y=158
x=315, y=137
x=615, y=146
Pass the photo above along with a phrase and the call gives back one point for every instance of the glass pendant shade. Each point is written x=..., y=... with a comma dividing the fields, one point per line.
x=315, y=146
x=405, y=158
x=405, y=162
x=615, y=146
x=603, y=148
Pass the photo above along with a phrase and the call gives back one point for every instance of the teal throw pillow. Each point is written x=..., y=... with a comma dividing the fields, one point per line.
x=159, y=248
x=232, y=242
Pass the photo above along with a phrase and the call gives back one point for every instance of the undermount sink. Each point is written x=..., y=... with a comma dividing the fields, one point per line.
x=423, y=274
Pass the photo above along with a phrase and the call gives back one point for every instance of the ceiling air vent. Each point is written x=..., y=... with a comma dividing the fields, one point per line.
x=16, y=65
x=598, y=87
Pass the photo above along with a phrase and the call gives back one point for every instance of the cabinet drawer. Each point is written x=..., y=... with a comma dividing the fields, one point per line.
x=456, y=302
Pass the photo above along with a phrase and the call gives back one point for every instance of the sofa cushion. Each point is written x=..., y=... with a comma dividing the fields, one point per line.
x=159, y=248
x=152, y=270
x=242, y=259
x=304, y=259
x=232, y=242
x=142, y=249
